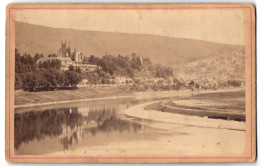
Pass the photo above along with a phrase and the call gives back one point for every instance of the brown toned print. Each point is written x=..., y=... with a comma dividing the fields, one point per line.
x=114, y=83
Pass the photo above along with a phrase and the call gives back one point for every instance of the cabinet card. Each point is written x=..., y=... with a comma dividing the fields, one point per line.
x=130, y=83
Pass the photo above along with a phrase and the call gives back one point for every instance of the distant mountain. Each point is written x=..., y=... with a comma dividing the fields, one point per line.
x=170, y=51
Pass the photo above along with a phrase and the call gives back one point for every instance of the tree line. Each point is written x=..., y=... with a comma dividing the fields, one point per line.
x=45, y=76
x=129, y=65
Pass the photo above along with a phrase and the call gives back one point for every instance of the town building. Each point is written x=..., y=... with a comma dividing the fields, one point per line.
x=84, y=83
x=123, y=80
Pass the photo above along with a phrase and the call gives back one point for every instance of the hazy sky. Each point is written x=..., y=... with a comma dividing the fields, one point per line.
x=222, y=26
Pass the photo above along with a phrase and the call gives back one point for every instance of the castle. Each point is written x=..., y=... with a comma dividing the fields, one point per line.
x=68, y=57
x=65, y=51
x=139, y=59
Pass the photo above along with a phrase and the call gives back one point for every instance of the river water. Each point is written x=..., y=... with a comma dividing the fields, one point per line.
x=70, y=126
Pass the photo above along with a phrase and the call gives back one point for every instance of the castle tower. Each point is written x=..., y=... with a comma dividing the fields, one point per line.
x=81, y=57
x=76, y=55
x=63, y=49
x=141, y=59
x=69, y=50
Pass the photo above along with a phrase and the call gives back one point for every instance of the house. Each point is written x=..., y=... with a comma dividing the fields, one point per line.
x=87, y=67
x=141, y=79
x=159, y=80
x=123, y=80
x=84, y=83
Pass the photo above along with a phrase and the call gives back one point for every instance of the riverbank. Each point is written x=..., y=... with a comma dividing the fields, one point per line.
x=139, y=111
x=31, y=99
x=43, y=98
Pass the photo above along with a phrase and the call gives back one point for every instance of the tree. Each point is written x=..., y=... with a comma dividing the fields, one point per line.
x=147, y=61
x=161, y=71
x=91, y=59
x=73, y=77
x=17, y=56
x=122, y=62
x=85, y=59
x=94, y=60
x=234, y=83
x=108, y=64
x=192, y=83
x=78, y=70
x=31, y=81
x=71, y=68
x=18, y=81
x=130, y=72
x=51, y=79
x=197, y=85
x=62, y=80
x=37, y=56
x=135, y=65
x=177, y=84
x=23, y=63
x=50, y=64
x=56, y=64
x=52, y=55
x=103, y=80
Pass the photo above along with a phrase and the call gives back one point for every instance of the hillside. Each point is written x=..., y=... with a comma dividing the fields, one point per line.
x=174, y=52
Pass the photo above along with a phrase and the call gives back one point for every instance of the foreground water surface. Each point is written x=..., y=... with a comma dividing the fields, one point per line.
x=66, y=127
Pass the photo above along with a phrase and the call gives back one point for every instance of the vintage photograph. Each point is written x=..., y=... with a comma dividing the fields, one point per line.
x=131, y=81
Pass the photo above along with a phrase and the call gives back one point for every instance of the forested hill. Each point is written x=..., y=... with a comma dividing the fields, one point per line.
x=165, y=50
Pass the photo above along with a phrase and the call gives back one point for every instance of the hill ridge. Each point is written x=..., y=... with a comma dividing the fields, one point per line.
x=176, y=52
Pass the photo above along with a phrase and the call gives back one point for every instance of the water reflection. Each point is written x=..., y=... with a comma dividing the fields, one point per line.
x=70, y=125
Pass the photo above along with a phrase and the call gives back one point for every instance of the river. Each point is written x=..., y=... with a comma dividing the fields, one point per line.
x=63, y=128
x=104, y=128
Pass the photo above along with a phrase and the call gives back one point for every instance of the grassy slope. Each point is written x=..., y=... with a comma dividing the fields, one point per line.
x=62, y=95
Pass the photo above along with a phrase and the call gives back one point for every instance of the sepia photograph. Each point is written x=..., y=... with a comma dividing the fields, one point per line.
x=130, y=83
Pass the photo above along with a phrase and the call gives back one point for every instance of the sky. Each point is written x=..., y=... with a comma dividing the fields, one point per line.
x=221, y=26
